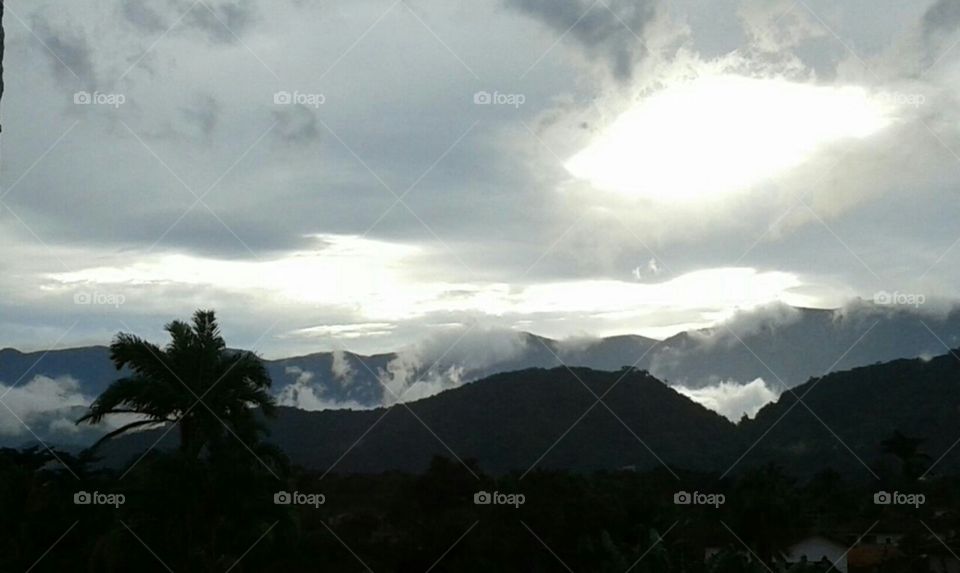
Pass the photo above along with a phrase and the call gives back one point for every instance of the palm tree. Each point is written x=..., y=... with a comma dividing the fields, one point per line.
x=194, y=382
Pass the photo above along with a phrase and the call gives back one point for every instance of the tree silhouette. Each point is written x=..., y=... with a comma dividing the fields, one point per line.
x=194, y=382
x=907, y=450
x=768, y=514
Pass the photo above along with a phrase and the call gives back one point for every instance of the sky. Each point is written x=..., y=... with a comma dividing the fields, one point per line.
x=365, y=174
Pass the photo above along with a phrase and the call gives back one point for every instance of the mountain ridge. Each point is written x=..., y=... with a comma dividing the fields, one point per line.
x=550, y=419
x=783, y=346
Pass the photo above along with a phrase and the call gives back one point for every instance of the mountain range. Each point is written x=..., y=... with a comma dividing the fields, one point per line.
x=552, y=419
x=784, y=346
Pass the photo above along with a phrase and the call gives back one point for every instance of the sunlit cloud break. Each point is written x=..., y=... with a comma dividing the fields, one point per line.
x=718, y=134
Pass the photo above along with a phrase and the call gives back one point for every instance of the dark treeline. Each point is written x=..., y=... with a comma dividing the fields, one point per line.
x=222, y=513
x=227, y=500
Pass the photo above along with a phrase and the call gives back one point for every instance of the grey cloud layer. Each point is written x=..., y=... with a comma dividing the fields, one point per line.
x=399, y=100
x=219, y=22
x=609, y=30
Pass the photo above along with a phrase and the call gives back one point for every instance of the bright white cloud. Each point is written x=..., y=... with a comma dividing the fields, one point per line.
x=341, y=368
x=334, y=331
x=447, y=359
x=43, y=401
x=716, y=288
x=731, y=399
x=306, y=395
x=371, y=279
x=714, y=135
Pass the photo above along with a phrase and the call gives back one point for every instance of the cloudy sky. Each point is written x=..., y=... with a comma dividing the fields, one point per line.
x=363, y=174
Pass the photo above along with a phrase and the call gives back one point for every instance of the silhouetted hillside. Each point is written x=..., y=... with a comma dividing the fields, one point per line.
x=858, y=409
x=793, y=343
x=507, y=423
x=89, y=365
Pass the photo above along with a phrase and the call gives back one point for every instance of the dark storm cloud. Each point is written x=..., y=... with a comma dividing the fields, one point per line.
x=272, y=198
x=940, y=24
x=942, y=17
x=142, y=16
x=223, y=22
x=296, y=124
x=612, y=31
x=67, y=51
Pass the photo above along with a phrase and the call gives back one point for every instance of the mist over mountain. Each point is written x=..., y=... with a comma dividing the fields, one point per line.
x=782, y=343
x=733, y=368
x=90, y=366
x=511, y=421
x=551, y=419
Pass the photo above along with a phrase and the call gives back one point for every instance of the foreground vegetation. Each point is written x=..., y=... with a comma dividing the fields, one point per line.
x=227, y=501
x=219, y=513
